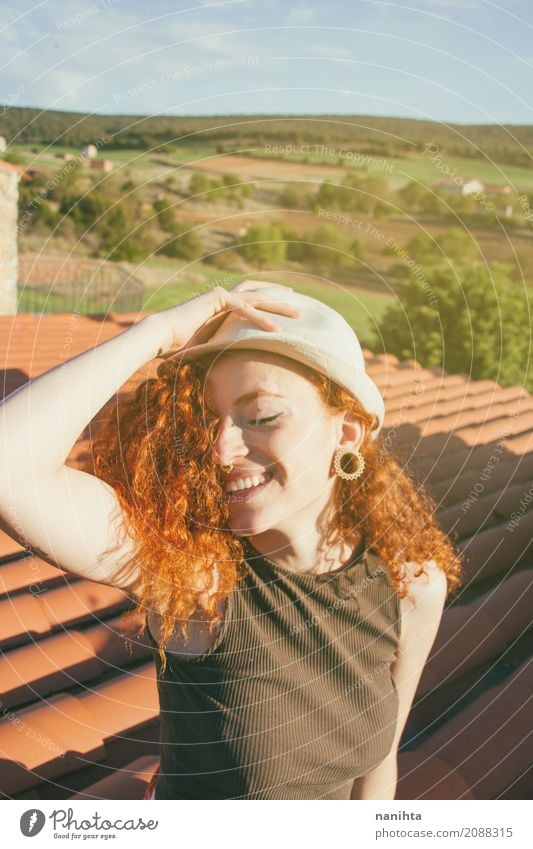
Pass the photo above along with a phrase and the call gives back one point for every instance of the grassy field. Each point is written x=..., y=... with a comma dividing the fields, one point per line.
x=426, y=171
x=53, y=153
x=421, y=168
x=396, y=170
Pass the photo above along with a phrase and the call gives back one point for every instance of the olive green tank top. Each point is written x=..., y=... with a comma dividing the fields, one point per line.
x=294, y=699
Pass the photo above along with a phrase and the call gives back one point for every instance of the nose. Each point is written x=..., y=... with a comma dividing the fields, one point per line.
x=229, y=443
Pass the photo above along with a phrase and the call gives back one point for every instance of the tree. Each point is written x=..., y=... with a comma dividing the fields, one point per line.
x=298, y=195
x=166, y=215
x=326, y=197
x=135, y=247
x=412, y=196
x=199, y=183
x=327, y=248
x=357, y=249
x=416, y=197
x=455, y=245
x=373, y=197
x=185, y=244
x=113, y=221
x=355, y=194
x=473, y=319
x=264, y=244
x=232, y=188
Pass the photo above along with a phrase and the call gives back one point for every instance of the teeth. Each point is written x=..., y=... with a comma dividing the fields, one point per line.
x=246, y=483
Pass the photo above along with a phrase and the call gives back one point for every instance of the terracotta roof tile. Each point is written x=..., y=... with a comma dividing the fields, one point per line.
x=65, y=659
x=127, y=783
x=73, y=674
x=503, y=474
x=29, y=615
x=482, y=511
x=73, y=728
x=473, y=633
x=421, y=776
x=30, y=573
x=432, y=386
x=9, y=548
x=497, y=550
x=485, y=742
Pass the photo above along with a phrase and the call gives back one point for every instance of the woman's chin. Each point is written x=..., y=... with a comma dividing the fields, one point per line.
x=243, y=523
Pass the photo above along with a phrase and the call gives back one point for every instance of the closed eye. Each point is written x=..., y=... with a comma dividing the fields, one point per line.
x=265, y=420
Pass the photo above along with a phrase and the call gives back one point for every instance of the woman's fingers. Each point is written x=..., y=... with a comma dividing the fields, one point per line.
x=194, y=321
x=261, y=302
x=255, y=310
x=251, y=285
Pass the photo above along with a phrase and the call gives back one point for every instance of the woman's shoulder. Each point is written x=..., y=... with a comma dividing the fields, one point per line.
x=425, y=577
x=427, y=588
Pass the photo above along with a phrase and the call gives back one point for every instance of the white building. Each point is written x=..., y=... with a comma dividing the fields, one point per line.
x=90, y=151
x=461, y=186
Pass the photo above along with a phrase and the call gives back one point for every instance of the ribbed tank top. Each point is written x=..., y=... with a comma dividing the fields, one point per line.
x=294, y=699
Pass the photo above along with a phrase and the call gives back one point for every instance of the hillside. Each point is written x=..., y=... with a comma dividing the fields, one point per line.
x=369, y=134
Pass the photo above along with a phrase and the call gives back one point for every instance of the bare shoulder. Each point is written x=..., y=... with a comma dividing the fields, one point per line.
x=423, y=605
x=425, y=578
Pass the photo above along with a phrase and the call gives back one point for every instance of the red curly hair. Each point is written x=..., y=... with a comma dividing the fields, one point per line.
x=156, y=451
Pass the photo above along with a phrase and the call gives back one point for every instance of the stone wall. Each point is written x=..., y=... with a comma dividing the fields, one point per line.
x=9, y=177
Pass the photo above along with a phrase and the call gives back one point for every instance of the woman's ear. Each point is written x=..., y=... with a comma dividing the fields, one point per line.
x=351, y=434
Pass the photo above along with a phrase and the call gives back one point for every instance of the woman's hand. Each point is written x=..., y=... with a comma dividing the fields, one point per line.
x=195, y=320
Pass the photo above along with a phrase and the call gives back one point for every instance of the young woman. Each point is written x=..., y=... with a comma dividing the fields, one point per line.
x=291, y=576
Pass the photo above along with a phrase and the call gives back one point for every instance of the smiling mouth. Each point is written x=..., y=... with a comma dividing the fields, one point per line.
x=240, y=495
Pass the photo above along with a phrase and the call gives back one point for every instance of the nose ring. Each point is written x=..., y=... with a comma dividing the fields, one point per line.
x=227, y=469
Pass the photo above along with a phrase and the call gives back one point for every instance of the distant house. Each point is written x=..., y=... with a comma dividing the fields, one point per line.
x=90, y=151
x=493, y=189
x=472, y=187
x=104, y=165
x=461, y=186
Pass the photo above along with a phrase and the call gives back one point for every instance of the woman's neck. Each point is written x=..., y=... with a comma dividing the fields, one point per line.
x=310, y=554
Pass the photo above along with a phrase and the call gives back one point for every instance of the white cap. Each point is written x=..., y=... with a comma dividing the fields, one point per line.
x=320, y=338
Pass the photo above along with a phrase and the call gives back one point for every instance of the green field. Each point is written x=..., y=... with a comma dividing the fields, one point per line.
x=180, y=154
x=398, y=170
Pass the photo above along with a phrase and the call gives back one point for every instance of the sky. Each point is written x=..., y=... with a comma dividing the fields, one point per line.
x=456, y=61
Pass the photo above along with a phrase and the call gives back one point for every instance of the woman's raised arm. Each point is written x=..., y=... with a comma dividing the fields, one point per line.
x=65, y=515
x=68, y=517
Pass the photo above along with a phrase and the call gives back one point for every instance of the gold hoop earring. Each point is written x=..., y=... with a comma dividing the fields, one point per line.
x=349, y=476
